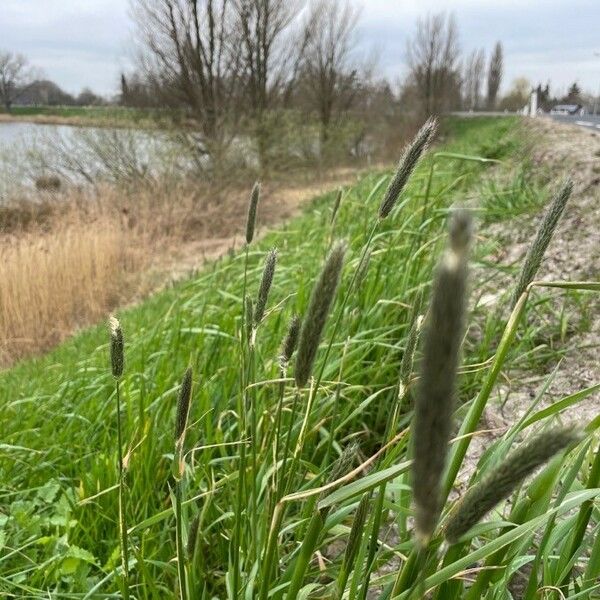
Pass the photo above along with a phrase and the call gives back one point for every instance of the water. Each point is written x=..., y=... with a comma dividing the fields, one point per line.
x=26, y=133
x=81, y=155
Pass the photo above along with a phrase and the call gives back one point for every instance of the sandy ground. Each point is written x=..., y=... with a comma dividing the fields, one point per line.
x=574, y=255
x=221, y=228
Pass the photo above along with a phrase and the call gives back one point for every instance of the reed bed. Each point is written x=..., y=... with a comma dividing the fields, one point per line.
x=145, y=232
x=53, y=283
x=305, y=447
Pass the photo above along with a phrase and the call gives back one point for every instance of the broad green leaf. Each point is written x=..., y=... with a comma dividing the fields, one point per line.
x=446, y=573
x=561, y=405
x=363, y=485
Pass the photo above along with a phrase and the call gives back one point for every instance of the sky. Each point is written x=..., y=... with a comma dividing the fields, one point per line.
x=87, y=43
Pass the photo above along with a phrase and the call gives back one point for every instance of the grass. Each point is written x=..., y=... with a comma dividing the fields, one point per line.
x=259, y=528
x=70, y=257
x=109, y=116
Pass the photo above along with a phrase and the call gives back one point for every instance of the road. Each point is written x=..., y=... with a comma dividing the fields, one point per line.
x=588, y=121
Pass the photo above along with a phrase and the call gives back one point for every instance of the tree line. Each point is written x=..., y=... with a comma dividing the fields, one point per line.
x=242, y=67
x=22, y=84
x=234, y=64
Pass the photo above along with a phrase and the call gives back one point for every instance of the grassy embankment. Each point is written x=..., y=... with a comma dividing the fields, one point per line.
x=57, y=462
x=90, y=116
x=67, y=259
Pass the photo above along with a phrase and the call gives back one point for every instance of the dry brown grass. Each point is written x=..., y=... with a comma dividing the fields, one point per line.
x=69, y=258
x=53, y=283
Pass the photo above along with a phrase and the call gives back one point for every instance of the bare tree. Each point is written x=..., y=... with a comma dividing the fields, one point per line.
x=14, y=76
x=518, y=95
x=189, y=55
x=494, y=75
x=433, y=56
x=473, y=79
x=329, y=73
x=271, y=55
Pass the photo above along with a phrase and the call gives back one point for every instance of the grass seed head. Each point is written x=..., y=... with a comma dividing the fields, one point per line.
x=117, y=357
x=536, y=251
x=503, y=479
x=357, y=530
x=251, y=221
x=290, y=341
x=248, y=317
x=342, y=465
x=406, y=166
x=183, y=407
x=336, y=204
x=434, y=402
x=319, y=305
x=265, y=286
x=406, y=366
x=460, y=230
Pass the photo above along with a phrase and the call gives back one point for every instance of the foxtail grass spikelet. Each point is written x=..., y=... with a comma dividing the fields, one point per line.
x=117, y=363
x=314, y=321
x=357, y=529
x=434, y=403
x=342, y=465
x=406, y=166
x=336, y=204
x=408, y=358
x=252, y=206
x=265, y=286
x=248, y=316
x=288, y=347
x=181, y=420
x=544, y=234
x=354, y=540
x=503, y=479
x=117, y=360
x=406, y=366
x=183, y=407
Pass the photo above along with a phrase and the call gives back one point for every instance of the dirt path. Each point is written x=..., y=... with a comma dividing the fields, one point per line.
x=574, y=255
x=222, y=227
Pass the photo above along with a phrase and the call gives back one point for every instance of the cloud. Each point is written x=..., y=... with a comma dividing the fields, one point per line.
x=87, y=43
x=76, y=44
x=543, y=39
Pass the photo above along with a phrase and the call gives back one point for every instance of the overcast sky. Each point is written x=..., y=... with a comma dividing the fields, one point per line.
x=79, y=43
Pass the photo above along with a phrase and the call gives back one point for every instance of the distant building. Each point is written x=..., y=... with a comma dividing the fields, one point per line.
x=567, y=109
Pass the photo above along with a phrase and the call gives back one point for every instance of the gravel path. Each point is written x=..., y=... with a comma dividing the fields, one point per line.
x=574, y=255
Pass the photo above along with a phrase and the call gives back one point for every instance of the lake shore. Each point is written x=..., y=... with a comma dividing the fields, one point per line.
x=45, y=120
x=102, y=117
x=75, y=254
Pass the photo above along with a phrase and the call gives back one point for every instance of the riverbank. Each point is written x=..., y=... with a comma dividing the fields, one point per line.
x=83, y=116
x=59, y=413
x=69, y=258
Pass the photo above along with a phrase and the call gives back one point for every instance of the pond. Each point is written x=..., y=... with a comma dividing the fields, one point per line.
x=84, y=155
x=25, y=133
